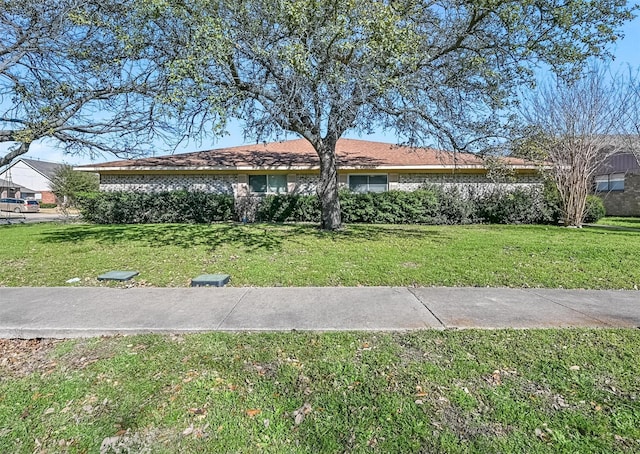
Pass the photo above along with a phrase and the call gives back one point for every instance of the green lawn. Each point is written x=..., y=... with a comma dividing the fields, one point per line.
x=429, y=391
x=621, y=221
x=302, y=255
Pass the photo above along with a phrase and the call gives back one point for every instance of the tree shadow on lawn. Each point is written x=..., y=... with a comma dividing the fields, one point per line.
x=251, y=237
x=613, y=229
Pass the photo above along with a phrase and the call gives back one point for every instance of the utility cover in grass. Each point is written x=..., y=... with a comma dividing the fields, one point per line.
x=117, y=275
x=212, y=280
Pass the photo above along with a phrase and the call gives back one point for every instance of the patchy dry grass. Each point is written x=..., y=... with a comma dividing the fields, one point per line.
x=427, y=391
x=300, y=255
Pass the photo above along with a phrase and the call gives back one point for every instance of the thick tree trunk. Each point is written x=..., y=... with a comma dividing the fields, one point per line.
x=328, y=187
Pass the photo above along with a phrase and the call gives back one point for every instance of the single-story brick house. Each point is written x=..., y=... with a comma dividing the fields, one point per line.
x=617, y=182
x=293, y=167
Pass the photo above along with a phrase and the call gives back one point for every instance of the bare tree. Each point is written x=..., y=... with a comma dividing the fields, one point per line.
x=574, y=125
x=66, y=77
x=434, y=71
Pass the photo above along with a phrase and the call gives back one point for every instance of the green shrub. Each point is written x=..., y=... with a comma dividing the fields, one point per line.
x=429, y=205
x=392, y=207
x=455, y=207
x=48, y=205
x=552, y=208
x=161, y=207
x=516, y=206
x=288, y=208
x=594, y=209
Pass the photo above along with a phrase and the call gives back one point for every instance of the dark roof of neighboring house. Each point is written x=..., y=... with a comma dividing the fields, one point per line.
x=48, y=169
x=300, y=154
x=624, y=162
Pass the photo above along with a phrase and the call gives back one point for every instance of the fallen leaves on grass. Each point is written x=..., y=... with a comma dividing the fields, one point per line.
x=196, y=432
x=301, y=413
x=22, y=357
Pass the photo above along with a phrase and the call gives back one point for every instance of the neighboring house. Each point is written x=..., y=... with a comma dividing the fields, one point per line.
x=293, y=167
x=617, y=182
x=34, y=174
x=12, y=190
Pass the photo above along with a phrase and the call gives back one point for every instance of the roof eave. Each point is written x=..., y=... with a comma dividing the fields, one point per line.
x=292, y=168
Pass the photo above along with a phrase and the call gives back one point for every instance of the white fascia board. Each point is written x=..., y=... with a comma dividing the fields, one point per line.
x=190, y=168
x=287, y=168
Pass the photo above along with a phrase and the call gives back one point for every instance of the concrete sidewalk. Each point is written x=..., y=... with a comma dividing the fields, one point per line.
x=61, y=312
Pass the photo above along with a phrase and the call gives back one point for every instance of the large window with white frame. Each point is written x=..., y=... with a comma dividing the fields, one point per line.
x=268, y=184
x=368, y=183
x=611, y=182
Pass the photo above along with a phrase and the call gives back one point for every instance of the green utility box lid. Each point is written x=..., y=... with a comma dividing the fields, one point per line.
x=212, y=280
x=117, y=275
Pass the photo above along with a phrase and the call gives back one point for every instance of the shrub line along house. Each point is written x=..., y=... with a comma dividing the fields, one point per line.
x=293, y=167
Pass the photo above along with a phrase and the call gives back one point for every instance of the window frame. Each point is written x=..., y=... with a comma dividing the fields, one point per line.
x=368, y=176
x=604, y=183
x=267, y=191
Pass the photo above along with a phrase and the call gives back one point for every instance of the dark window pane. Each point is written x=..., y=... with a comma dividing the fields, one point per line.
x=358, y=183
x=616, y=185
x=258, y=183
x=377, y=183
x=602, y=185
x=277, y=183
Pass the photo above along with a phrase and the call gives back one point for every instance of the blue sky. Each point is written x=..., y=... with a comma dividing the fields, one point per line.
x=626, y=51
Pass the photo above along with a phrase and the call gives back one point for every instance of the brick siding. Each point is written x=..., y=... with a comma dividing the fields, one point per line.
x=219, y=184
x=300, y=183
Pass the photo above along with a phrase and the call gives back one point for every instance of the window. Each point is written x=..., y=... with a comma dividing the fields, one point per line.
x=268, y=184
x=368, y=183
x=611, y=182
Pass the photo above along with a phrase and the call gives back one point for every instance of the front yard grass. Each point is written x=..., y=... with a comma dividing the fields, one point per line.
x=428, y=391
x=302, y=255
x=619, y=221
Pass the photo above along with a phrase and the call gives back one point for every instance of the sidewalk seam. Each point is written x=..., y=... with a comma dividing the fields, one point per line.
x=531, y=290
x=427, y=308
x=232, y=309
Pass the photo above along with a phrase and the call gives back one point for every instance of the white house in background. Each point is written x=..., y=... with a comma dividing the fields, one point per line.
x=33, y=174
x=11, y=190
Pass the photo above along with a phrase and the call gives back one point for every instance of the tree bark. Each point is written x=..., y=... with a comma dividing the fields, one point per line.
x=13, y=153
x=328, y=186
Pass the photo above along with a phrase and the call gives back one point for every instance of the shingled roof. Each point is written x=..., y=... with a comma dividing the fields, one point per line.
x=48, y=169
x=299, y=154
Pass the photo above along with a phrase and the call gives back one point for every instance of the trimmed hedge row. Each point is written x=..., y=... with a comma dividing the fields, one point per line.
x=432, y=205
x=162, y=207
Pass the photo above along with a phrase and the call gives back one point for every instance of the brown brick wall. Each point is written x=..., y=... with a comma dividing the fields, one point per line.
x=624, y=203
x=48, y=197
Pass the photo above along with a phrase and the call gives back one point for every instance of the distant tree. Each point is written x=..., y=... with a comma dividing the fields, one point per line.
x=435, y=71
x=67, y=183
x=574, y=125
x=66, y=78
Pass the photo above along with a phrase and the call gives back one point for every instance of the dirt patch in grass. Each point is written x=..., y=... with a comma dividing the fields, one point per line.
x=88, y=351
x=22, y=357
